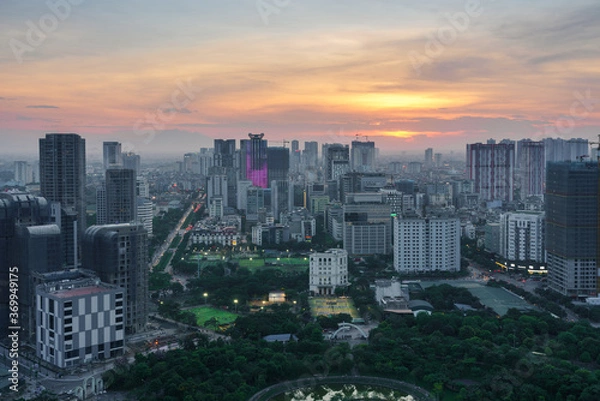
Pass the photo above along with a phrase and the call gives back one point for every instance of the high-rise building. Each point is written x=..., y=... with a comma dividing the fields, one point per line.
x=131, y=161
x=62, y=179
x=217, y=185
x=31, y=243
x=295, y=156
x=522, y=236
x=428, y=157
x=560, y=150
x=311, y=154
x=112, y=155
x=278, y=162
x=23, y=172
x=532, y=168
x=328, y=270
x=492, y=167
x=337, y=160
x=121, y=197
x=363, y=156
x=572, y=227
x=422, y=245
x=118, y=253
x=254, y=160
x=224, y=152
x=367, y=226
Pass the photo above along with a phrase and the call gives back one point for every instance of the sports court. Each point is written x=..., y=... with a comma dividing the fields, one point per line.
x=499, y=299
x=326, y=306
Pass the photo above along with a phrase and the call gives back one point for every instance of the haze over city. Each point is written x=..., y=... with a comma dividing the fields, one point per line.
x=169, y=77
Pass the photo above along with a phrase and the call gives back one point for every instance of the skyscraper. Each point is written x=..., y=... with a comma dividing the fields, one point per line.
x=112, y=156
x=337, y=160
x=224, y=152
x=492, y=167
x=118, y=253
x=311, y=154
x=121, y=198
x=278, y=162
x=532, y=168
x=254, y=160
x=131, y=161
x=363, y=156
x=572, y=227
x=62, y=179
x=428, y=157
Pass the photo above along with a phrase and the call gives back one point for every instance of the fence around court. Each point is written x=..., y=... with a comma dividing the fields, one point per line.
x=418, y=393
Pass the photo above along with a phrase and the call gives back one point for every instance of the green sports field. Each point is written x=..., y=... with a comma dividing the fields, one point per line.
x=204, y=313
x=283, y=263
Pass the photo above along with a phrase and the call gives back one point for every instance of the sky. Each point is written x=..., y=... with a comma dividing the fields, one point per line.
x=169, y=77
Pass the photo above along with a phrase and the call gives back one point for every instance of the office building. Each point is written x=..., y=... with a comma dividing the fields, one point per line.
x=367, y=228
x=428, y=161
x=118, y=254
x=522, y=236
x=79, y=321
x=225, y=157
x=572, y=227
x=492, y=168
x=62, y=179
x=337, y=160
x=121, y=196
x=363, y=156
x=131, y=161
x=278, y=162
x=311, y=154
x=253, y=164
x=426, y=244
x=111, y=155
x=328, y=271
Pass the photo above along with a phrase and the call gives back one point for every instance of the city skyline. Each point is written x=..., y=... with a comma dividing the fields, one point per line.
x=164, y=78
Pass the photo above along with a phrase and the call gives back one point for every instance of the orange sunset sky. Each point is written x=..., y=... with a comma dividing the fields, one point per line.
x=169, y=77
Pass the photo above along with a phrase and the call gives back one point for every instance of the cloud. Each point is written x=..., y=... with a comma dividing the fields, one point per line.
x=42, y=106
x=174, y=110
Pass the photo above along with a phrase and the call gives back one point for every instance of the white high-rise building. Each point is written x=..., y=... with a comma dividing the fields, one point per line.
x=522, y=236
x=422, y=245
x=328, y=271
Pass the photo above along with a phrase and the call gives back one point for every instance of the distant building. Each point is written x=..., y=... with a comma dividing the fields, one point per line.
x=426, y=244
x=337, y=160
x=492, y=167
x=328, y=271
x=363, y=156
x=367, y=228
x=111, y=155
x=79, y=321
x=254, y=160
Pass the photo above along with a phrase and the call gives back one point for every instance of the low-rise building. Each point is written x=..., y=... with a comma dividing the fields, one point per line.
x=328, y=271
x=79, y=321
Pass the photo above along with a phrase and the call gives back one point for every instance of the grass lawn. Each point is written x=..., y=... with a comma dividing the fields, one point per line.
x=204, y=313
x=284, y=264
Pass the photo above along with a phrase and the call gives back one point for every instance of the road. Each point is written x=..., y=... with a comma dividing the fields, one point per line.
x=167, y=243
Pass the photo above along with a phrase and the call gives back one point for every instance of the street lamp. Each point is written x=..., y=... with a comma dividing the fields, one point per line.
x=235, y=301
x=205, y=296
